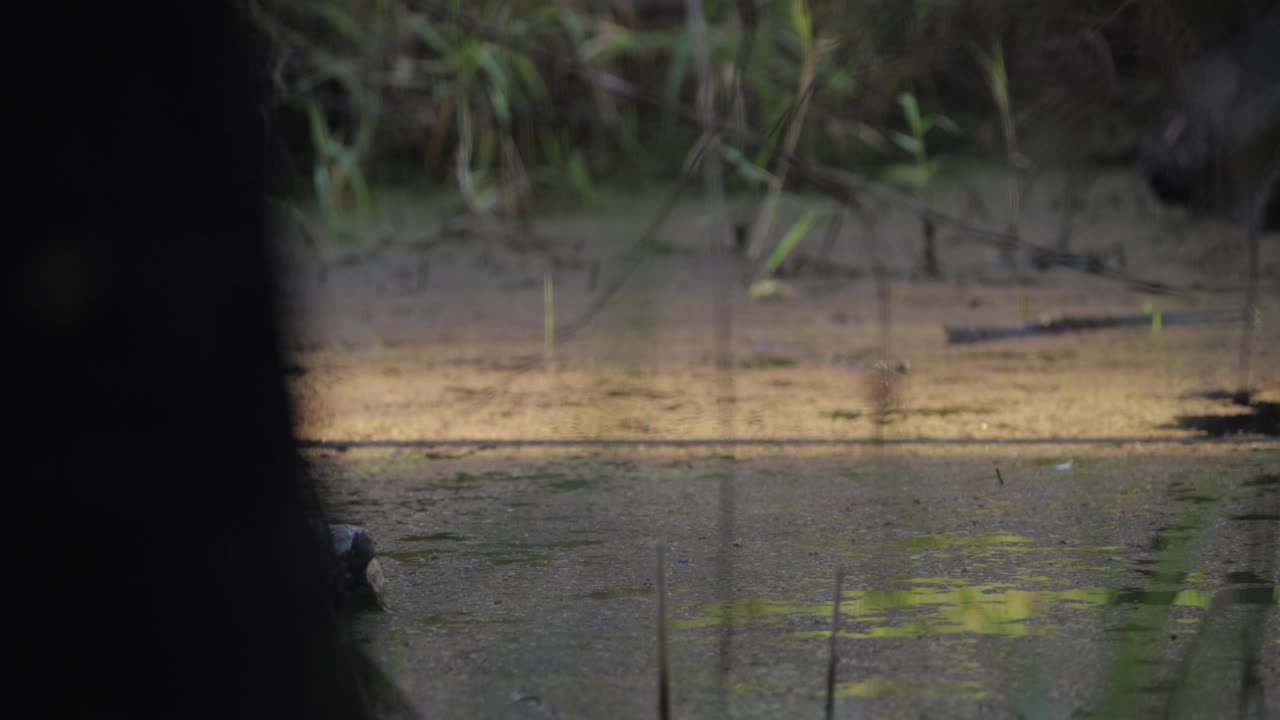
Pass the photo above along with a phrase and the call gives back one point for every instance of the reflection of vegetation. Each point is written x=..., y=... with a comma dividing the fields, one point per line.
x=1127, y=672
x=934, y=606
x=945, y=606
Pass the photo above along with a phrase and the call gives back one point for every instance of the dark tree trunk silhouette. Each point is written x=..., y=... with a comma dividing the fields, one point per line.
x=171, y=560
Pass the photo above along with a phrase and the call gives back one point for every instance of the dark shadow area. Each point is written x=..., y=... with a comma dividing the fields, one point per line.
x=171, y=558
x=1262, y=418
x=1235, y=611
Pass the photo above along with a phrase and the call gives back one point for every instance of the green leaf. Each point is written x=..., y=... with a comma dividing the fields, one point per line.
x=605, y=47
x=801, y=22
x=351, y=171
x=498, y=100
x=432, y=37
x=908, y=143
x=579, y=175
x=947, y=125
x=320, y=183
x=572, y=25
x=841, y=80
x=908, y=176
x=552, y=149
x=677, y=69
x=484, y=57
x=1157, y=318
x=465, y=63
x=319, y=128
x=746, y=169
x=343, y=23
x=911, y=110
x=789, y=241
x=499, y=83
x=870, y=136
x=529, y=76
x=947, y=165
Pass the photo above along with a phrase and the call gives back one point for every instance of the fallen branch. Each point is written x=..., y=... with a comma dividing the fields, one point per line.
x=1065, y=324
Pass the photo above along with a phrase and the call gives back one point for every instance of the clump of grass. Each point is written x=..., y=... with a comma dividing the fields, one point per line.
x=1157, y=318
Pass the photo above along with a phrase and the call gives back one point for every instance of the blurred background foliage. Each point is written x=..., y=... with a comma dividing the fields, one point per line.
x=508, y=102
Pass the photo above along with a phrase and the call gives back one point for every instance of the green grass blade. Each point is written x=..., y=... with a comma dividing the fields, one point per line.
x=789, y=241
x=343, y=23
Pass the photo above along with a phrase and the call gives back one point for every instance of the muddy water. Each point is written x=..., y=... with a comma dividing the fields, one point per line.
x=1123, y=584
x=1036, y=533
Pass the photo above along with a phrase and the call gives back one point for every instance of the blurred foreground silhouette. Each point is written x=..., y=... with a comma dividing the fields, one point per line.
x=171, y=560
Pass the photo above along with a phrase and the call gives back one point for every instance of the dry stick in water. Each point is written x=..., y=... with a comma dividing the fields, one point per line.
x=548, y=322
x=833, y=659
x=664, y=674
x=713, y=187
